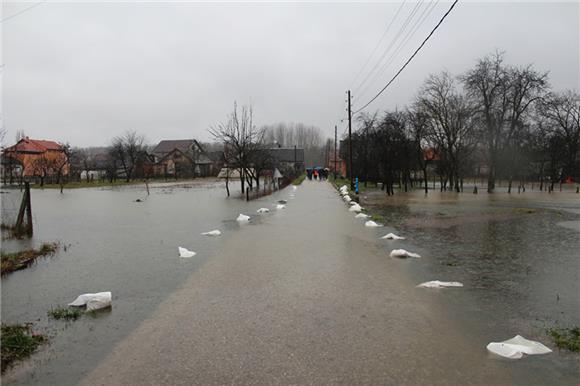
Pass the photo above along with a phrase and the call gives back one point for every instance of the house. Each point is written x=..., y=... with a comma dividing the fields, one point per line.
x=288, y=158
x=35, y=158
x=181, y=158
x=335, y=163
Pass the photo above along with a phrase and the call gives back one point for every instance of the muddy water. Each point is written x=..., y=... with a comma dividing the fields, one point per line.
x=332, y=308
x=518, y=256
x=112, y=244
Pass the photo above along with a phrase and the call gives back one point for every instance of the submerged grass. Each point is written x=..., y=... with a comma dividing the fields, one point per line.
x=568, y=338
x=11, y=262
x=65, y=313
x=18, y=342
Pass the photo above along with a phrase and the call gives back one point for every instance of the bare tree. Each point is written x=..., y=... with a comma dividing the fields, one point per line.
x=241, y=140
x=43, y=166
x=525, y=86
x=61, y=163
x=128, y=150
x=487, y=84
x=19, y=135
x=561, y=112
x=419, y=128
x=451, y=123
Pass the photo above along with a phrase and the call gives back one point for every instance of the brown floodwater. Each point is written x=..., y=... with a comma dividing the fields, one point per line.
x=309, y=281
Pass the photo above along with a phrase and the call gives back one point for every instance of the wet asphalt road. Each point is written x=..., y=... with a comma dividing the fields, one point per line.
x=307, y=296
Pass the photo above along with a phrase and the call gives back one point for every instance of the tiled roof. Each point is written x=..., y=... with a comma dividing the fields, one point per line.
x=34, y=146
x=164, y=147
x=287, y=154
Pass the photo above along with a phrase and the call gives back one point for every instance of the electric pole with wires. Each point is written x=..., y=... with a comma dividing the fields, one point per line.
x=350, y=143
x=335, y=129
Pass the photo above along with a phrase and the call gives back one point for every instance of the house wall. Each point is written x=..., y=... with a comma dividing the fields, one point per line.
x=30, y=161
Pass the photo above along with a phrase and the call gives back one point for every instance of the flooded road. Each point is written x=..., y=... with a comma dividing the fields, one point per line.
x=306, y=294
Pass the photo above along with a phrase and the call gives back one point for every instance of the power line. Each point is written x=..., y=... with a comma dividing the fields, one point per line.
x=378, y=43
x=408, y=60
x=22, y=11
x=388, y=49
x=412, y=31
x=403, y=43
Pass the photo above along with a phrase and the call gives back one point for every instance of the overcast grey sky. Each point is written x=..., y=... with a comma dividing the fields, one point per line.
x=83, y=73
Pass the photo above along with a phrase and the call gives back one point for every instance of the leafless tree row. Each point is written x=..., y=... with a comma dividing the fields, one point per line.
x=497, y=120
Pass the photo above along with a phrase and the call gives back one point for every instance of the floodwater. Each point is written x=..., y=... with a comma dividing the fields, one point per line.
x=518, y=256
x=112, y=244
x=302, y=295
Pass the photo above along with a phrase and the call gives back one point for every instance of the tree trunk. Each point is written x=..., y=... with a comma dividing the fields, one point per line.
x=242, y=180
x=425, y=179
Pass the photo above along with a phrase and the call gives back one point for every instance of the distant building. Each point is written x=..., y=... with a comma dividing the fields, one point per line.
x=182, y=158
x=288, y=157
x=35, y=158
x=336, y=163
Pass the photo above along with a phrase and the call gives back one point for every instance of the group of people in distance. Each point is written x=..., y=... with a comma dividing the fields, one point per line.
x=319, y=174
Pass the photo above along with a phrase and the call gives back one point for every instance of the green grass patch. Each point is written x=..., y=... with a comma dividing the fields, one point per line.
x=66, y=313
x=298, y=180
x=568, y=338
x=18, y=342
x=11, y=262
x=377, y=217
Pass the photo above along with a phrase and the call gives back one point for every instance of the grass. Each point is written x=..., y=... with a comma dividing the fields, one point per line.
x=65, y=313
x=11, y=262
x=377, y=217
x=18, y=342
x=298, y=180
x=568, y=338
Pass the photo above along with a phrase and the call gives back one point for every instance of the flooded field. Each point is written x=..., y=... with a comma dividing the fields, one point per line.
x=302, y=294
x=112, y=244
x=518, y=256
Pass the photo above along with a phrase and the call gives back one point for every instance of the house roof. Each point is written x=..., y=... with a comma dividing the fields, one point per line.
x=34, y=146
x=431, y=154
x=287, y=154
x=166, y=146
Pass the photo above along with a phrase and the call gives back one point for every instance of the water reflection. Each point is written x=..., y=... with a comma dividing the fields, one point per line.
x=117, y=245
x=519, y=256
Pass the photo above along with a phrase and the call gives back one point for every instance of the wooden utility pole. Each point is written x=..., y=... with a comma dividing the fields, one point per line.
x=335, y=151
x=350, y=143
x=25, y=207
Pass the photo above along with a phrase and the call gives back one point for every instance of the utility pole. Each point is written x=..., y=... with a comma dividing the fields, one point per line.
x=335, y=152
x=350, y=143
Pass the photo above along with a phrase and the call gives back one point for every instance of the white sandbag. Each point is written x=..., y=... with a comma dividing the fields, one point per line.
x=516, y=347
x=243, y=218
x=215, y=232
x=262, y=210
x=372, y=224
x=355, y=208
x=280, y=206
x=344, y=193
x=362, y=215
x=440, y=284
x=392, y=236
x=93, y=301
x=347, y=198
x=343, y=188
x=401, y=253
x=353, y=203
x=185, y=253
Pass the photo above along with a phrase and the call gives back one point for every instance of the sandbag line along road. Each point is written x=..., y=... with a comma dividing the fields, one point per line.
x=308, y=296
